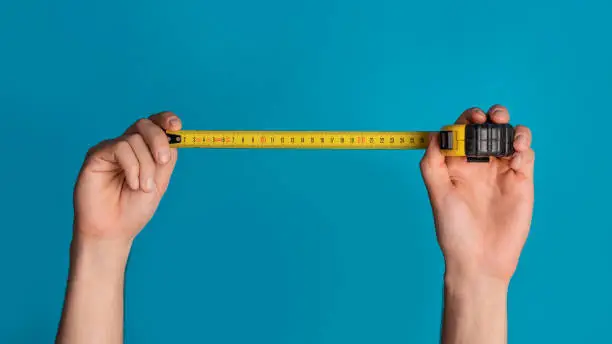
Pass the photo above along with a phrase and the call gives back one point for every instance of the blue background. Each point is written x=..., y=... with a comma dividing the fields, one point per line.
x=303, y=246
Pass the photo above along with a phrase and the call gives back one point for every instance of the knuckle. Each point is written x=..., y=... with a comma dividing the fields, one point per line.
x=151, y=132
x=142, y=123
x=122, y=145
x=99, y=149
x=135, y=138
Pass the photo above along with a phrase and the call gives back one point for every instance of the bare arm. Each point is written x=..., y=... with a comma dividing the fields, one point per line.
x=474, y=310
x=93, y=310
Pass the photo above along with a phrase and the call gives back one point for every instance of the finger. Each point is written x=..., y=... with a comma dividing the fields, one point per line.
x=164, y=173
x=123, y=155
x=145, y=161
x=523, y=162
x=434, y=169
x=166, y=120
x=522, y=138
x=472, y=115
x=499, y=114
x=154, y=137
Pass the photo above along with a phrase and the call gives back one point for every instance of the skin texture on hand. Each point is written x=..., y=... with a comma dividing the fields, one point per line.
x=117, y=192
x=482, y=214
x=123, y=180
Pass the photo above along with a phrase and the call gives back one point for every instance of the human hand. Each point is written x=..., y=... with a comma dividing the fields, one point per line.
x=482, y=211
x=123, y=179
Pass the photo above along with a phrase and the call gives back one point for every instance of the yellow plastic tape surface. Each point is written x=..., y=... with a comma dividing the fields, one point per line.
x=298, y=139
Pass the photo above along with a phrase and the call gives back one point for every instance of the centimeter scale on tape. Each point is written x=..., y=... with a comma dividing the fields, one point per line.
x=476, y=141
x=302, y=139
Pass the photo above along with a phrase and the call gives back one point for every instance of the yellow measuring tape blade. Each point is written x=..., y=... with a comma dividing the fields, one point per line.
x=299, y=139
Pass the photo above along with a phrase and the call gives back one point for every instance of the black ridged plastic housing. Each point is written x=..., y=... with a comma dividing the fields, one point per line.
x=488, y=139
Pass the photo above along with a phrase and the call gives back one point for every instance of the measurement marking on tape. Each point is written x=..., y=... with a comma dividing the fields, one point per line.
x=299, y=139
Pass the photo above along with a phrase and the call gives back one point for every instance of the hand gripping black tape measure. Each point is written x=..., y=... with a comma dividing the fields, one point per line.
x=477, y=142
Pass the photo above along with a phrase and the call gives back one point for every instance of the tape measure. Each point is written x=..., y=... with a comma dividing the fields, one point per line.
x=476, y=141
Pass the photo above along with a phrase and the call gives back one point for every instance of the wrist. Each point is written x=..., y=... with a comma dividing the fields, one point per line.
x=478, y=268
x=475, y=285
x=100, y=256
x=477, y=290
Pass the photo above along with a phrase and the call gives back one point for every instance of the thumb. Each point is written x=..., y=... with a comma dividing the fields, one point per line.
x=434, y=169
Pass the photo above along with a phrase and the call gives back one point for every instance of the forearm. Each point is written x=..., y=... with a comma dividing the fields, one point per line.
x=475, y=310
x=93, y=309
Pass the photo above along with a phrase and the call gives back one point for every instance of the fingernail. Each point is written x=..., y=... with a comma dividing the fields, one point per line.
x=150, y=185
x=174, y=121
x=520, y=139
x=164, y=156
